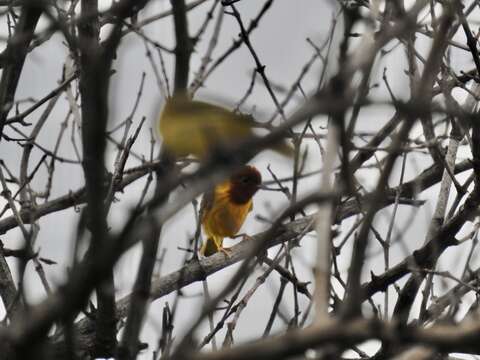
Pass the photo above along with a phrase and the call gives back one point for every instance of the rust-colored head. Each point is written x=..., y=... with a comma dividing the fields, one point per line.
x=244, y=184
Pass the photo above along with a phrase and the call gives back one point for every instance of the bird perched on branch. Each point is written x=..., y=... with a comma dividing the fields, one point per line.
x=224, y=209
x=199, y=128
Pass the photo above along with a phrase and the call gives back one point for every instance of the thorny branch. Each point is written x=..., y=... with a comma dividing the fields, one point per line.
x=350, y=124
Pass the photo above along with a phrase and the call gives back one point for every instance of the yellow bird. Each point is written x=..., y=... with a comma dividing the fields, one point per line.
x=198, y=128
x=224, y=209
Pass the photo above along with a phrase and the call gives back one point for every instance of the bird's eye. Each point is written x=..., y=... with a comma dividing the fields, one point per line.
x=245, y=180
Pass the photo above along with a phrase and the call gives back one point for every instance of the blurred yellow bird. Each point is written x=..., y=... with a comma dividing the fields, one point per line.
x=198, y=128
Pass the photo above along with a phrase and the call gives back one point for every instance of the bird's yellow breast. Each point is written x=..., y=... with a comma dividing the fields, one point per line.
x=225, y=218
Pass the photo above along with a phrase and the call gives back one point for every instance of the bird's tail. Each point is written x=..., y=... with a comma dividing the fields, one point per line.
x=211, y=246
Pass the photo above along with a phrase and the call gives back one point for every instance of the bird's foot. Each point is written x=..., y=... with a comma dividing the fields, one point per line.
x=244, y=237
x=248, y=237
x=226, y=251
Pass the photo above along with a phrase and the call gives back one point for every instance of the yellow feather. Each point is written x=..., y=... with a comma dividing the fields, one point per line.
x=224, y=219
